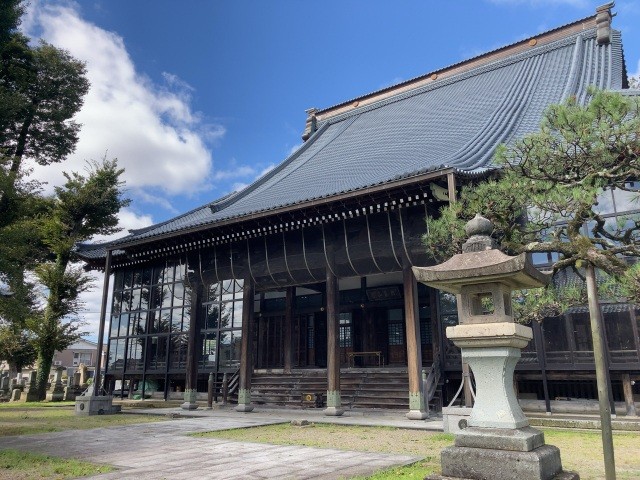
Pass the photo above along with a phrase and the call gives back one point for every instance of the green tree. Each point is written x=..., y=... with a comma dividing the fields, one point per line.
x=546, y=199
x=41, y=89
x=85, y=206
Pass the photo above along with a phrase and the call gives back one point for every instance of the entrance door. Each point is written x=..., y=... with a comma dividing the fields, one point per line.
x=396, y=336
x=270, y=342
x=320, y=341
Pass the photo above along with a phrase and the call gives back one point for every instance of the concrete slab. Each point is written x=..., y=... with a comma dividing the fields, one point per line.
x=164, y=450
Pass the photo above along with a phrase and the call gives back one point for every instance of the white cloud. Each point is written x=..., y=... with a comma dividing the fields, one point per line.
x=151, y=129
x=235, y=172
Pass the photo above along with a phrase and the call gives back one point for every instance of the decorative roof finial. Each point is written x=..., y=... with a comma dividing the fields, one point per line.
x=311, y=125
x=603, y=23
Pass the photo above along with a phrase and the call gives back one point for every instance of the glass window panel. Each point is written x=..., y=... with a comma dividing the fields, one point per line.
x=146, y=276
x=137, y=279
x=396, y=333
x=213, y=291
x=178, y=352
x=540, y=258
x=124, y=325
x=226, y=311
x=116, y=355
x=230, y=342
x=115, y=323
x=238, y=288
x=310, y=331
x=134, y=354
x=168, y=274
x=135, y=299
x=133, y=324
x=141, y=324
x=237, y=314
x=152, y=322
x=448, y=303
x=180, y=272
x=118, y=281
x=425, y=333
x=227, y=290
x=178, y=294
x=125, y=306
x=395, y=315
x=145, y=294
x=209, y=348
x=450, y=320
x=177, y=322
x=164, y=321
x=555, y=335
x=167, y=293
x=158, y=353
x=116, y=303
x=128, y=279
x=211, y=316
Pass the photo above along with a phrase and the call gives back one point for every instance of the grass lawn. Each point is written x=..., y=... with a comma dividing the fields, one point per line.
x=16, y=465
x=41, y=417
x=581, y=450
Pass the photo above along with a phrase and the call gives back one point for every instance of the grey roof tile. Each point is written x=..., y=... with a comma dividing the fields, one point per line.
x=456, y=123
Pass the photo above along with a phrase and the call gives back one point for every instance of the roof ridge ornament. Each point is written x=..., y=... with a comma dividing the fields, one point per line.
x=312, y=123
x=603, y=23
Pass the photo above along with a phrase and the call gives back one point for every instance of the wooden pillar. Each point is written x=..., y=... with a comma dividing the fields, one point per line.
x=334, y=403
x=191, y=378
x=417, y=406
x=288, y=329
x=103, y=314
x=246, y=355
x=628, y=395
x=466, y=371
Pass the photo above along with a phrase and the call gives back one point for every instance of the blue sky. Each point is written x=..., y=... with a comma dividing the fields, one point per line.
x=197, y=98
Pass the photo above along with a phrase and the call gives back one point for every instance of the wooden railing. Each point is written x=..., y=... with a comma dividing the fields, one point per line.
x=430, y=380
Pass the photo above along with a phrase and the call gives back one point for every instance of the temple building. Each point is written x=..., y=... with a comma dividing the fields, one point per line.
x=299, y=287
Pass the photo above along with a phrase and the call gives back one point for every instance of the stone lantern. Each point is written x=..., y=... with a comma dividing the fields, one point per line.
x=497, y=442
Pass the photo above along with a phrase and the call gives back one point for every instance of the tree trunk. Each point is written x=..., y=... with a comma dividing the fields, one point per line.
x=43, y=365
x=602, y=373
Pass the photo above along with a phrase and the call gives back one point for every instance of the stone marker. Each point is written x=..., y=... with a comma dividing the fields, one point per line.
x=497, y=443
x=31, y=395
x=56, y=391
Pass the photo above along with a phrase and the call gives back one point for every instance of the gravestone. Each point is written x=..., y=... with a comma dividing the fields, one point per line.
x=497, y=442
x=56, y=391
x=31, y=395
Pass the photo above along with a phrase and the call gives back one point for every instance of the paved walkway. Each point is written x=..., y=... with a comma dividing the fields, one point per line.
x=163, y=450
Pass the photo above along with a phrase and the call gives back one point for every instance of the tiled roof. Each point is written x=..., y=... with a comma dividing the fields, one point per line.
x=456, y=122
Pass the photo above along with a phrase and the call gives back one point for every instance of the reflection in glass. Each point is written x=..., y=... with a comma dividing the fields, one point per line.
x=178, y=352
x=237, y=314
x=226, y=310
x=448, y=303
x=209, y=348
x=134, y=356
x=164, y=322
x=115, y=323
x=211, y=318
x=178, y=322
x=116, y=354
x=166, y=295
x=230, y=349
x=157, y=353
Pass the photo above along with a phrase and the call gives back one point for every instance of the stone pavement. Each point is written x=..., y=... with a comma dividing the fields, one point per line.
x=163, y=450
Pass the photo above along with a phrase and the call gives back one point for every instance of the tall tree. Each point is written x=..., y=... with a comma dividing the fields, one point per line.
x=85, y=206
x=548, y=197
x=41, y=89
